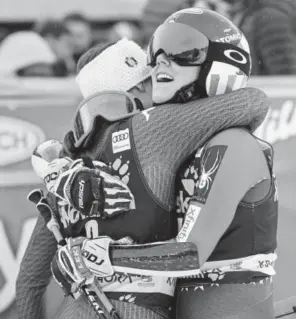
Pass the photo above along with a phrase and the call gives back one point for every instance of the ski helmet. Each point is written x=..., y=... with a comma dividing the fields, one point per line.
x=198, y=36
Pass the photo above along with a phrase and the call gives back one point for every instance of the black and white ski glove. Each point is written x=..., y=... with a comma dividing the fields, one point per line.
x=88, y=187
x=78, y=262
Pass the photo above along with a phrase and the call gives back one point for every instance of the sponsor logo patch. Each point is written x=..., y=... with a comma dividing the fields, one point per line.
x=81, y=194
x=121, y=141
x=147, y=114
x=131, y=62
x=190, y=219
x=210, y=162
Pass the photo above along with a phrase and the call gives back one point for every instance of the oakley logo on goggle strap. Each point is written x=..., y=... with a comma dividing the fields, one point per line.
x=235, y=56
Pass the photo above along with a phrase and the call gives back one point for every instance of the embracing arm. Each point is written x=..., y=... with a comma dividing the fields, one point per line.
x=35, y=273
x=231, y=164
x=167, y=135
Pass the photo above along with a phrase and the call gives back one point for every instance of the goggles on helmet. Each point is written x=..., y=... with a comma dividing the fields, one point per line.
x=187, y=46
x=181, y=43
x=109, y=105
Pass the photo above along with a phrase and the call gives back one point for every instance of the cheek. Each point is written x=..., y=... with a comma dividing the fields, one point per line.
x=186, y=75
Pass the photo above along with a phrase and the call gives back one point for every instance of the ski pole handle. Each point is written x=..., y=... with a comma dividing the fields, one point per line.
x=95, y=296
x=41, y=157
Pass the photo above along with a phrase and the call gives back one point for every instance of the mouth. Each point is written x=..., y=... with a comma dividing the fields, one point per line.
x=164, y=77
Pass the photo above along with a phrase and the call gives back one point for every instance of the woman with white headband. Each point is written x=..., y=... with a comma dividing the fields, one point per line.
x=151, y=220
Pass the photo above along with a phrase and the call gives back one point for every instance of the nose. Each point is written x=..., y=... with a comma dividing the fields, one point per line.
x=162, y=58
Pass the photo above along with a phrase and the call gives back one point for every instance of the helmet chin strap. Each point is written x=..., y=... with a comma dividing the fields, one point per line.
x=190, y=92
x=187, y=93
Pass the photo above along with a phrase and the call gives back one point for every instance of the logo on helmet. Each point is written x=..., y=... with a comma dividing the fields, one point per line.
x=235, y=56
x=230, y=38
x=131, y=62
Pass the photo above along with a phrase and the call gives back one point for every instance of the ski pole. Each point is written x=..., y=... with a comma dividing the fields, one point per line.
x=41, y=157
x=93, y=292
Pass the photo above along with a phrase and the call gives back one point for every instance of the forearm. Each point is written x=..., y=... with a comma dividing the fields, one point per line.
x=35, y=274
x=172, y=259
x=189, y=126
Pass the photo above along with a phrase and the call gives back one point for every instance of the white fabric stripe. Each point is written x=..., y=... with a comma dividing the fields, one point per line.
x=223, y=263
x=111, y=211
x=99, y=164
x=112, y=201
x=250, y=263
x=115, y=191
x=137, y=284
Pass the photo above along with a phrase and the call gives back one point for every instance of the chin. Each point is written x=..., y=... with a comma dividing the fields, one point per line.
x=161, y=97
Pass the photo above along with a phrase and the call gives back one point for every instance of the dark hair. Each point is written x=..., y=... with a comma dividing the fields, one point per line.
x=76, y=16
x=91, y=54
x=54, y=28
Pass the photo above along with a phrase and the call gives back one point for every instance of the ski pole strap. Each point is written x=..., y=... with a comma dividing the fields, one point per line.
x=96, y=297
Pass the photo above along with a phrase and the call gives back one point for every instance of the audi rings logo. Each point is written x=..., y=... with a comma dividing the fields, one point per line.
x=121, y=141
x=235, y=56
x=120, y=137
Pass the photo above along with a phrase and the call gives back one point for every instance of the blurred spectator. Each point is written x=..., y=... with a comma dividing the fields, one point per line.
x=81, y=32
x=270, y=28
x=155, y=12
x=59, y=39
x=26, y=53
x=46, y=51
x=216, y=5
x=126, y=30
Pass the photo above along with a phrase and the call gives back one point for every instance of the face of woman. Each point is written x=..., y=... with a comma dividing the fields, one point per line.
x=168, y=77
x=143, y=92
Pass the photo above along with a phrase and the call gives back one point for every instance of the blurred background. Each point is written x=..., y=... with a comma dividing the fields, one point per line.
x=40, y=43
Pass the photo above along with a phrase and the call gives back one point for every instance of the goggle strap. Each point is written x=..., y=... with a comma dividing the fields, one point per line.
x=222, y=52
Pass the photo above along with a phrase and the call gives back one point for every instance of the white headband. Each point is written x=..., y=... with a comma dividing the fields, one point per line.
x=119, y=67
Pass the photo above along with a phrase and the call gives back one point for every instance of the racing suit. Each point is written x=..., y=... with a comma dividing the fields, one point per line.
x=146, y=152
x=240, y=256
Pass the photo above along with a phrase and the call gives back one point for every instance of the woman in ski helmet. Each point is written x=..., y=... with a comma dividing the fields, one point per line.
x=227, y=189
x=207, y=53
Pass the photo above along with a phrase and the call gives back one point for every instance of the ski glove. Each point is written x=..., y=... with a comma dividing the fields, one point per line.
x=78, y=262
x=88, y=187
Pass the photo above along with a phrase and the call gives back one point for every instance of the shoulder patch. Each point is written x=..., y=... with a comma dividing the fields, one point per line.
x=211, y=160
